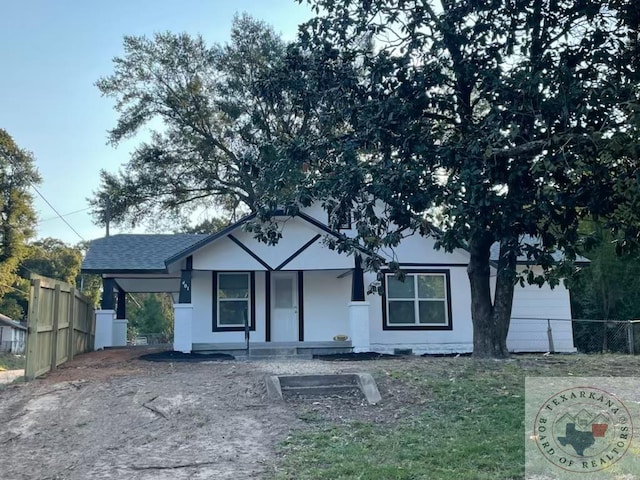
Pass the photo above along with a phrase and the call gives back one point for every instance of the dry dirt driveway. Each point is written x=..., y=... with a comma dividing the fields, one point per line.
x=110, y=415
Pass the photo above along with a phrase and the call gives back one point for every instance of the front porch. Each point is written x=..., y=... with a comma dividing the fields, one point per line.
x=228, y=288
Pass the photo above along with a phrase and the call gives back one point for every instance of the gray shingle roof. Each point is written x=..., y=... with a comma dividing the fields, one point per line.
x=135, y=252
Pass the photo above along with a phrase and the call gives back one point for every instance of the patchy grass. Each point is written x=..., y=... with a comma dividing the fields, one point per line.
x=9, y=361
x=461, y=419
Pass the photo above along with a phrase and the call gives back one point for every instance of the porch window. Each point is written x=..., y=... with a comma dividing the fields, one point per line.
x=420, y=301
x=233, y=300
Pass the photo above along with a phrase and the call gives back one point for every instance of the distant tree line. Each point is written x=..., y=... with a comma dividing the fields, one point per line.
x=21, y=255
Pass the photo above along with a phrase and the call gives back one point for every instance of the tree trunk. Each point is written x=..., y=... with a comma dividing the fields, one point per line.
x=490, y=319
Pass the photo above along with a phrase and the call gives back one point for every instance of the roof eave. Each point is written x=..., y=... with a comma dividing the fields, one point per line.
x=115, y=271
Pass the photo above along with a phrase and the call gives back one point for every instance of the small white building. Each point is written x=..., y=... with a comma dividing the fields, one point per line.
x=13, y=335
x=228, y=286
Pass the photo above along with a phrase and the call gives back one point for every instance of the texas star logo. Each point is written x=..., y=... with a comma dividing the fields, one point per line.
x=583, y=429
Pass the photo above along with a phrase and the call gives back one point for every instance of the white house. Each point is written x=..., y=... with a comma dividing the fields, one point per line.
x=300, y=293
x=12, y=335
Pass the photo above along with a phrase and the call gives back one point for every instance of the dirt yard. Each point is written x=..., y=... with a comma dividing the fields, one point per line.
x=109, y=414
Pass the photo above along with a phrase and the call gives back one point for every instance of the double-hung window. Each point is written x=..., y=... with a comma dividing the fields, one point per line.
x=233, y=298
x=419, y=301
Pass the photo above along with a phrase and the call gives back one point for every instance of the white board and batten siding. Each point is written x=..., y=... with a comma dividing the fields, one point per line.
x=327, y=293
x=534, y=310
x=325, y=305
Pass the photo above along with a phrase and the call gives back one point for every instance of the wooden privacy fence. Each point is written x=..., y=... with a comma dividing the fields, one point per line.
x=60, y=325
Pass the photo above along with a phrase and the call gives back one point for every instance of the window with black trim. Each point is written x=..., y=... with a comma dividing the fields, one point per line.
x=419, y=301
x=233, y=300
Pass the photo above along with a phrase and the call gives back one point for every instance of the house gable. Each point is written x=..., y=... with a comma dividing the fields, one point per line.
x=300, y=248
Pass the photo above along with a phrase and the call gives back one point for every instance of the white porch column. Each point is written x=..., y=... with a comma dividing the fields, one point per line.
x=120, y=332
x=182, y=327
x=359, y=326
x=104, y=328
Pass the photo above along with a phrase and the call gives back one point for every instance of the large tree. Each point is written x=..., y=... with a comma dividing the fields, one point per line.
x=17, y=216
x=52, y=258
x=220, y=115
x=496, y=121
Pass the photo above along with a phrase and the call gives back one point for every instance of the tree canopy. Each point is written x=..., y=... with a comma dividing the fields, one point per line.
x=474, y=122
x=17, y=216
x=211, y=225
x=52, y=258
x=609, y=287
x=150, y=313
x=221, y=116
x=495, y=121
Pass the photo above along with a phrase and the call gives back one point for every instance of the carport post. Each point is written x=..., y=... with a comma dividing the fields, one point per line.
x=104, y=328
x=105, y=316
x=182, y=327
x=183, y=312
x=120, y=323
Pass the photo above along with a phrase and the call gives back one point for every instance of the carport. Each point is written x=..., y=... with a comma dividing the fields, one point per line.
x=135, y=263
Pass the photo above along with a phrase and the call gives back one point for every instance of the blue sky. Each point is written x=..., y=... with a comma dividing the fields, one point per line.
x=51, y=54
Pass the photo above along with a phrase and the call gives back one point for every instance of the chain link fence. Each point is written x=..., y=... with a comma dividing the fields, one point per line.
x=589, y=335
x=607, y=336
x=151, y=339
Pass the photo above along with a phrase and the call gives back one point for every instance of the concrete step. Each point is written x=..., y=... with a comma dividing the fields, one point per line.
x=318, y=385
x=254, y=356
x=293, y=381
x=321, y=390
x=273, y=351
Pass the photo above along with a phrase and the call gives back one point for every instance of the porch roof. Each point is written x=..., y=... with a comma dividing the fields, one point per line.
x=153, y=254
x=135, y=253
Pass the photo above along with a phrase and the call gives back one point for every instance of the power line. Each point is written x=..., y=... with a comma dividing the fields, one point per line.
x=57, y=213
x=14, y=288
x=65, y=215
